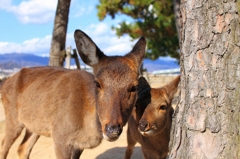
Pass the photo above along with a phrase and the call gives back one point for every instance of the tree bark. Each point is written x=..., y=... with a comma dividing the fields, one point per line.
x=59, y=33
x=206, y=122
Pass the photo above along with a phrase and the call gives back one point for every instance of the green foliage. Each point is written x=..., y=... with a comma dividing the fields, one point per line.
x=153, y=19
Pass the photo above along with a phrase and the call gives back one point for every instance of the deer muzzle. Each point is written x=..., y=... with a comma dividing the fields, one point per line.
x=143, y=125
x=112, y=132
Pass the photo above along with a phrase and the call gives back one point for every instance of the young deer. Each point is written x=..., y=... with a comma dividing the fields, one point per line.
x=151, y=119
x=75, y=108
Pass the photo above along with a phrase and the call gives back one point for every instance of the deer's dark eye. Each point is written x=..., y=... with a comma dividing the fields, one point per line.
x=163, y=107
x=133, y=89
x=136, y=106
x=97, y=84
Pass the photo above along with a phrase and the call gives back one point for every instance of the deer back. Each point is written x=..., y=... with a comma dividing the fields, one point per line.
x=46, y=96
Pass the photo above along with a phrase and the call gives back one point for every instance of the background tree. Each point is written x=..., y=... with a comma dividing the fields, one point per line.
x=176, y=7
x=151, y=18
x=59, y=33
x=207, y=120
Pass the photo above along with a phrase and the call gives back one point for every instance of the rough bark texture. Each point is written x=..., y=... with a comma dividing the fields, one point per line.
x=59, y=33
x=207, y=120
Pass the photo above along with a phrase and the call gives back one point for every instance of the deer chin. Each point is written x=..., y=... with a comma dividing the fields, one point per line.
x=110, y=139
x=148, y=132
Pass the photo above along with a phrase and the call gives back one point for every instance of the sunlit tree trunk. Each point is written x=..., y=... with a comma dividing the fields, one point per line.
x=206, y=123
x=59, y=33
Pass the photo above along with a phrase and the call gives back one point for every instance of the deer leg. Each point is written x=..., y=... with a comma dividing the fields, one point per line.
x=12, y=132
x=27, y=144
x=76, y=153
x=130, y=145
x=61, y=148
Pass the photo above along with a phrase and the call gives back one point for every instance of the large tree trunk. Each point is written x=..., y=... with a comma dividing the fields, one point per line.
x=59, y=33
x=207, y=120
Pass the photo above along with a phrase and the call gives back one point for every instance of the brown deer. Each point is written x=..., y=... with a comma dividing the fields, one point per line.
x=151, y=120
x=75, y=108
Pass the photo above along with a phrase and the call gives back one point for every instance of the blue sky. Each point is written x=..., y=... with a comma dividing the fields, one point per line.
x=26, y=27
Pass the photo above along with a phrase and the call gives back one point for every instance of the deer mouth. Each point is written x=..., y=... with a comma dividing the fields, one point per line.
x=147, y=131
x=110, y=139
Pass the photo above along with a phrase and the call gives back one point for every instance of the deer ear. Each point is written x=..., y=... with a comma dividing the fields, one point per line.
x=87, y=49
x=172, y=87
x=138, y=52
x=143, y=88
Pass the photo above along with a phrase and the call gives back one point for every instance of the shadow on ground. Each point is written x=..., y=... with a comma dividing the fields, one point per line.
x=120, y=152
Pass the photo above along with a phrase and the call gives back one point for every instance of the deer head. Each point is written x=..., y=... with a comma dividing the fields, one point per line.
x=116, y=80
x=153, y=107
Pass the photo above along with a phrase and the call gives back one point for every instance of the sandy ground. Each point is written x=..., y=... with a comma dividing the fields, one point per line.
x=43, y=149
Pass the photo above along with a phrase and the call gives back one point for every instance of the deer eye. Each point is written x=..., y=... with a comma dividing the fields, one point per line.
x=163, y=107
x=136, y=106
x=97, y=84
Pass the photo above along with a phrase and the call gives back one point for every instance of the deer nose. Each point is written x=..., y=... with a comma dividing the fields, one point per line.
x=143, y=125
x=113, y=131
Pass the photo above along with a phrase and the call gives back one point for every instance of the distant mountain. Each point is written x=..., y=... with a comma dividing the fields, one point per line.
x=160, y=64
x=19, y=60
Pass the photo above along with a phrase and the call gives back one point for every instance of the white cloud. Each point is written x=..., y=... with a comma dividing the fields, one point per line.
x=43, y=11
x=31, y=11
x=107, y=41
x=38, y=46
x=112, y=45
x=99, y=29
x=5, y=4
x=82, y=9
x=100, y=33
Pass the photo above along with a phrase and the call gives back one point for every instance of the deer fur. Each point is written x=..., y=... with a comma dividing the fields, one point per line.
x=151, y=120
x=73, y=107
